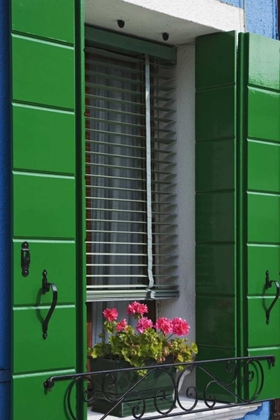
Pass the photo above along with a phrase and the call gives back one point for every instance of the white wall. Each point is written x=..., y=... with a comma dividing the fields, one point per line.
x=184, y=307
x=182, y=19
x=210, y=13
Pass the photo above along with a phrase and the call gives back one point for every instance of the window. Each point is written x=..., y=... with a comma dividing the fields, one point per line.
x=130, y=177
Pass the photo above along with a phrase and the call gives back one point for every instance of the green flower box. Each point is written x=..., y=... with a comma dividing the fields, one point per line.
x=156, y=389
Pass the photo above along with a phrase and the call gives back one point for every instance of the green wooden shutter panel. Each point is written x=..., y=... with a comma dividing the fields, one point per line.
x=238, y=200
x=54, y=132
x=44, y=201
x=47, y=77
x=261, y=172
x=51, y=19
x=215, y=199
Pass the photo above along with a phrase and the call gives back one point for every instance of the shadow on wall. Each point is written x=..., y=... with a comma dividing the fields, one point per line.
x=237, y=3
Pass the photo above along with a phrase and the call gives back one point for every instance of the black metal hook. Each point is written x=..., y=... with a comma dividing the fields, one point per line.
x=25, y=259
x=268, y=284
x=46, y=288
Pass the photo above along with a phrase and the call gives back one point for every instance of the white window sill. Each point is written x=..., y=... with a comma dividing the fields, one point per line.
x=231, y=413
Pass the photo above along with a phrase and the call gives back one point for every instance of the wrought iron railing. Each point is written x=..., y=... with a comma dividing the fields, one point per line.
x=125, y=392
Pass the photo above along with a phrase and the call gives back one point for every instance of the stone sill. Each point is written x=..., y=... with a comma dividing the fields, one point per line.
x=231, y=413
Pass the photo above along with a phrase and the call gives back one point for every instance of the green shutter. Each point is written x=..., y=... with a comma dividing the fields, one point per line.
x=44, y=193
x=215, y=198
x=260, y=205
x=237, y=201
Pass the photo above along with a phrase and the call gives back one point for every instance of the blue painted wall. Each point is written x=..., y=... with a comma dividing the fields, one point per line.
x=261, y=16
x=5, y=236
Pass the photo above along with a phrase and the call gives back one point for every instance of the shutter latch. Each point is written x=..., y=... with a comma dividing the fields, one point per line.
x=25, y=259
x=46, y=288
x=268, y=284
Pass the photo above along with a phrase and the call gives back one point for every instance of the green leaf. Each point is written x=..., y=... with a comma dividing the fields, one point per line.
x=194, y=348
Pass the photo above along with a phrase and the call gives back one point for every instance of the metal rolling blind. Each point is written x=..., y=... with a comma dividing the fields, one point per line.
x=130, y=177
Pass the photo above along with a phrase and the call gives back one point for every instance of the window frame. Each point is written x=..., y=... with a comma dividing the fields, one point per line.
x=133, y=46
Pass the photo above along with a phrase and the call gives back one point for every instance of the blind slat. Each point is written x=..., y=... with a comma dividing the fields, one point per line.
x=127, y=91
x=129, y=114
x=131, y=168
x=140, y=105
x=115, y=123
x=102, y=187
x=111, y=54
x=131, y=221
x=115, y=155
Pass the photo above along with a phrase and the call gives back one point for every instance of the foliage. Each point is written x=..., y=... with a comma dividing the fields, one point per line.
x=147, y=341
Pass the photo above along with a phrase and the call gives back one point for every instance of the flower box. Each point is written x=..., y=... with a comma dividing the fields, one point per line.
x=155, y=389
x=148, y=343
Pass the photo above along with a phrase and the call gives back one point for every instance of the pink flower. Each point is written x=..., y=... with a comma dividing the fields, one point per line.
x=137, y=308
x=142, y=309
x=180, y=326
x=121, y=325
x=165, y=325
x=111, y=314
x=143, y=324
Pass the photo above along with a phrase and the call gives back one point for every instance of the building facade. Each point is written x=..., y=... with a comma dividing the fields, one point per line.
x=204, y=257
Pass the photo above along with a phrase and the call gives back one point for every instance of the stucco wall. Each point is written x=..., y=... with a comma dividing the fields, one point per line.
x=185, y=191
x=260, y=16
x=4, y=216
x=184, y=20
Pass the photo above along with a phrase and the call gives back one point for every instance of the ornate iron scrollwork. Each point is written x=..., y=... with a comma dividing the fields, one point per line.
x=248, y=370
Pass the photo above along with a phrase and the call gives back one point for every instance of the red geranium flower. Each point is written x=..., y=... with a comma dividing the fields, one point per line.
x=143, y=324
x=111, y=314
x=165, y=325
x=121, y=325
x=137, y=308
x=180, y=326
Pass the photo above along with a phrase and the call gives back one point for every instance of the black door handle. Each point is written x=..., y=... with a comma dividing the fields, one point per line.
x=268, y=284
x=46, y=288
